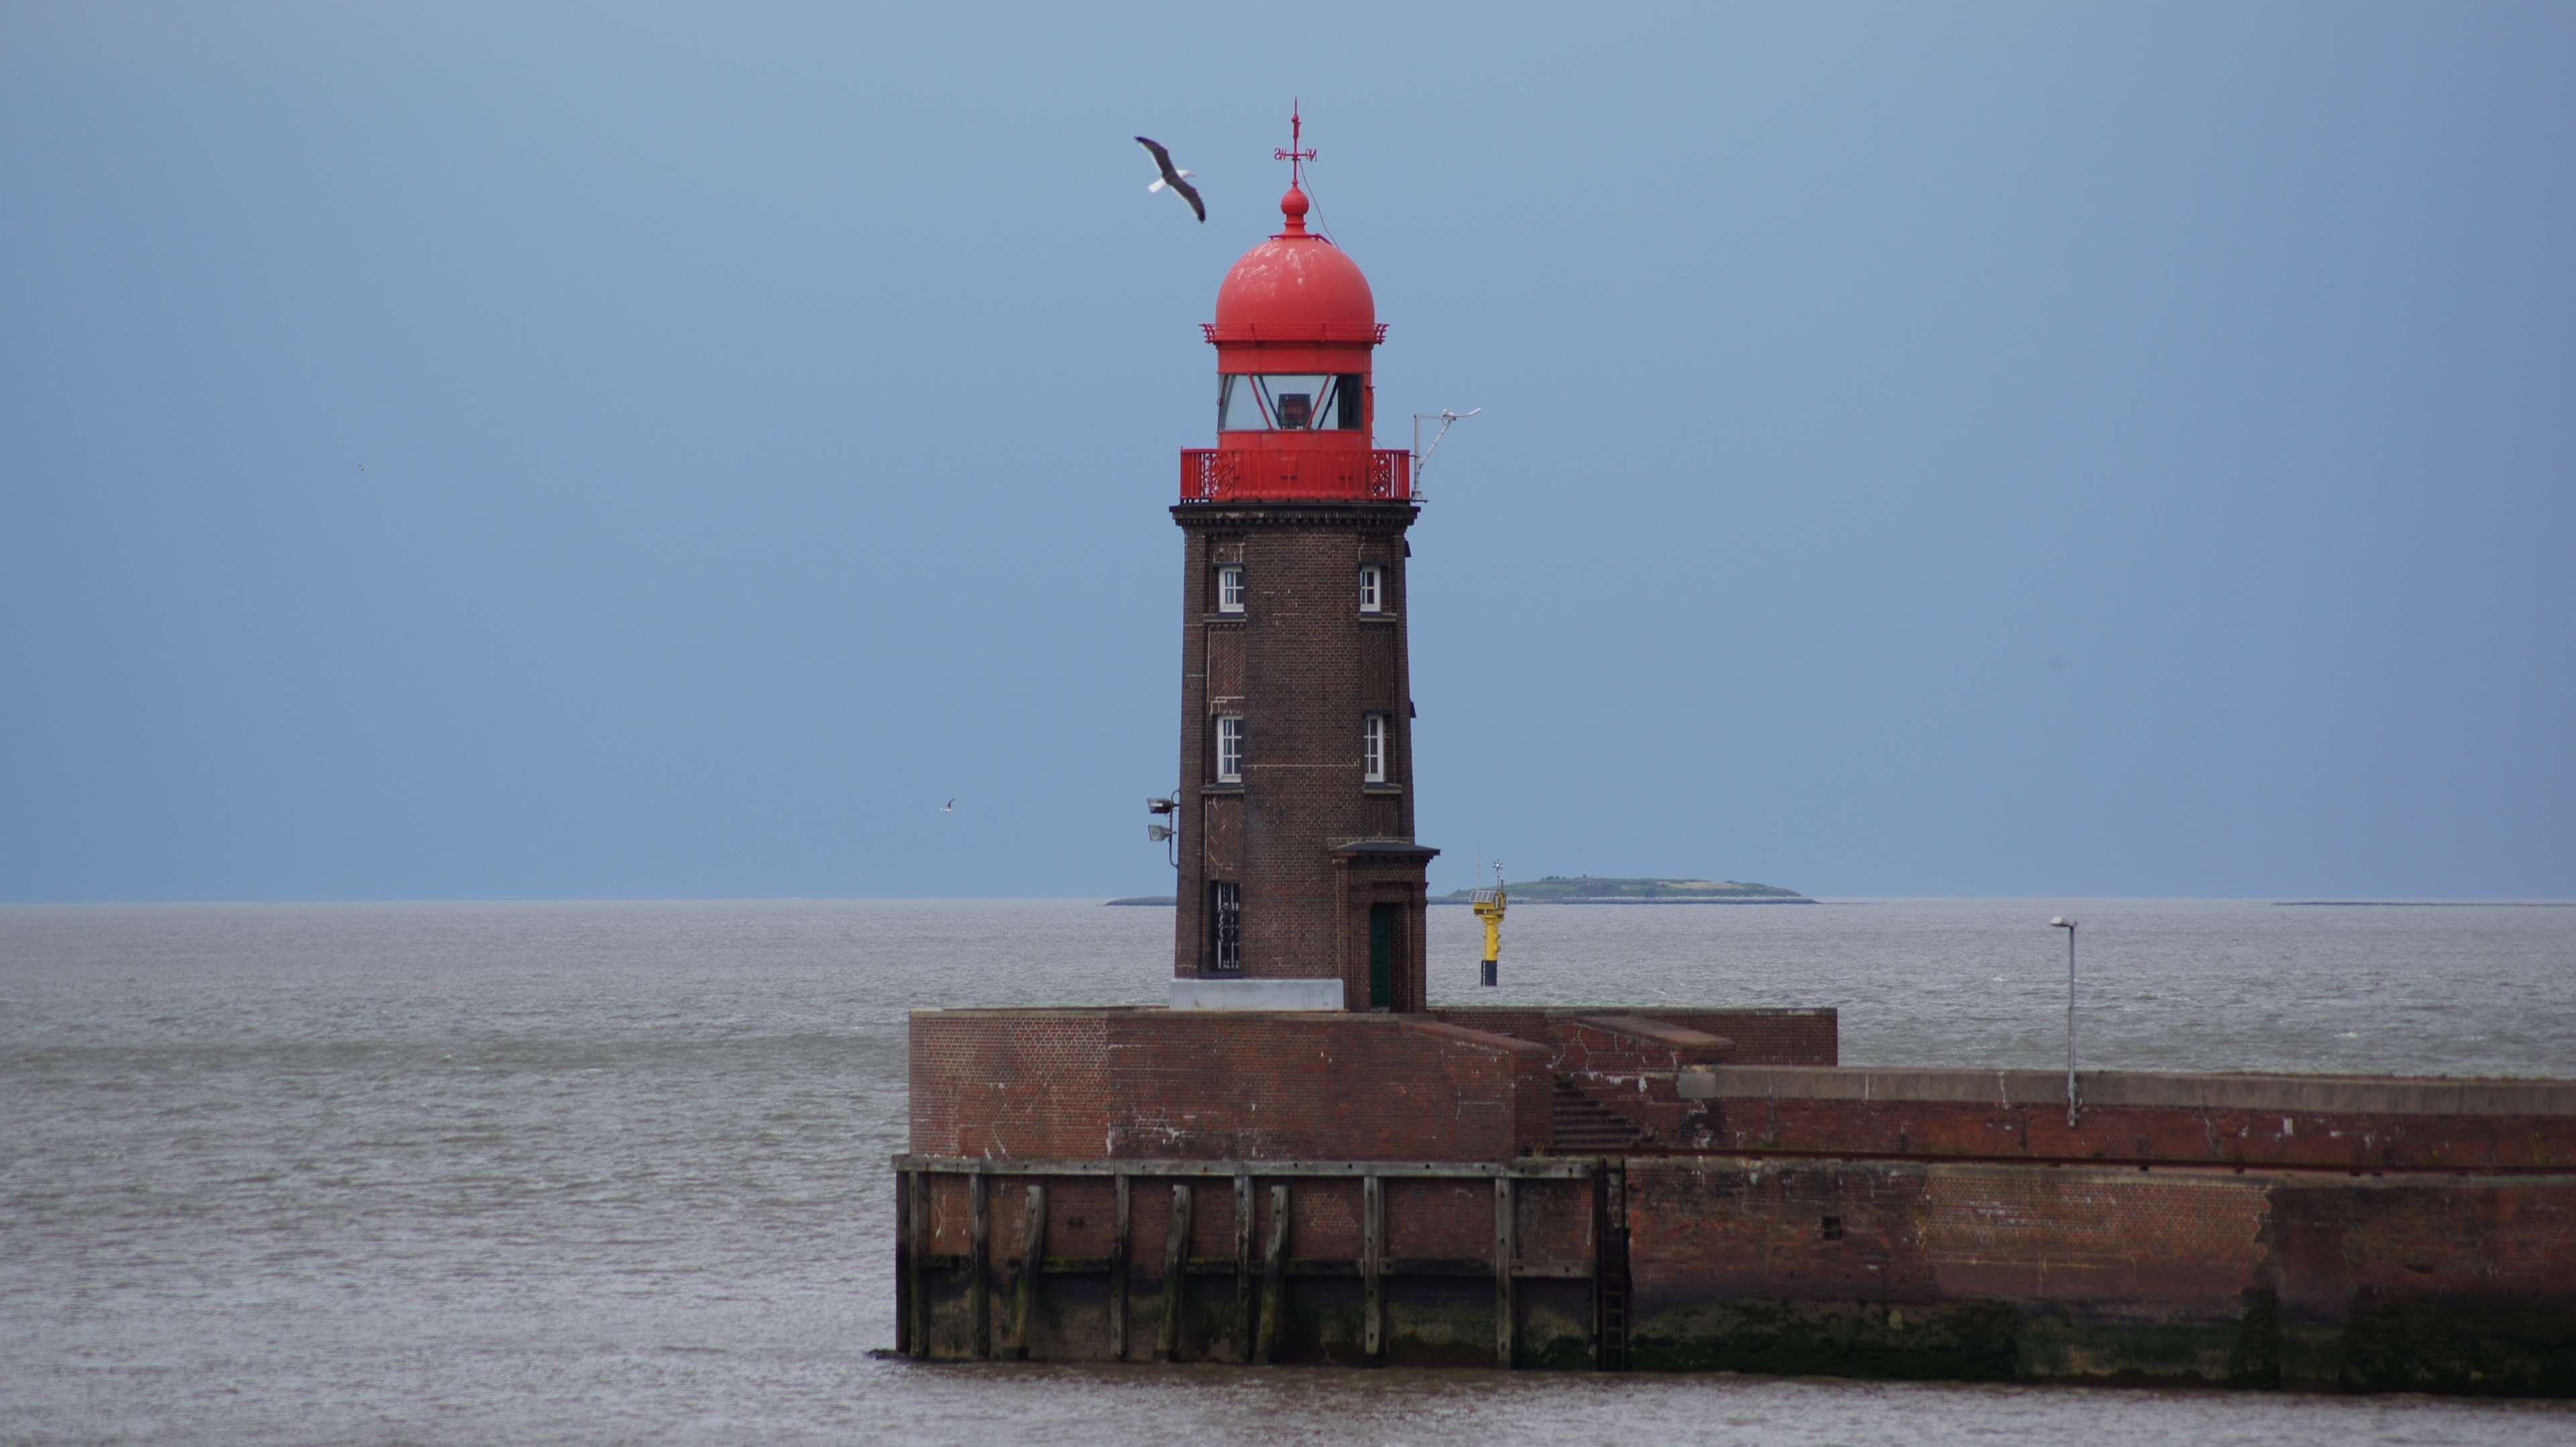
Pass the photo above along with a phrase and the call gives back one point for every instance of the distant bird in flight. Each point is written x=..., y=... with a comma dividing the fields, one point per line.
x=948, y=808
x=1178, y=180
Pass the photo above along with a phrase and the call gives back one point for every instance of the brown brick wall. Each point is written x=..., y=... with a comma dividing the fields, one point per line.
x=1200, y=702
x=1011, y=1082
x=2358, y=1123
x=1220, y=845
x=1224, y=665
x=1828, y=1265
x=949, y=1233
x=1324, y=1219
x=1081, y=1084
x=1767, y=1037
x=1709, y=1230
x=1138, y=1084
x=1442, y=1220
x=1553, y=1220
x=1632, y=1045
x=2385, y=1237
x=1758, y=1037
x=1082, y=1216
x=1302, y=665
x=2128, y=1133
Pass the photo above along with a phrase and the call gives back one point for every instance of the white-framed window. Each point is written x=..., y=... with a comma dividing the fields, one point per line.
x=1229, y=748
x=1372, y=588
x=1229, y=588
x=1373, y=747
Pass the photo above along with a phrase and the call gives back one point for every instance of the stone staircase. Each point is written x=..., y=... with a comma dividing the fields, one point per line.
x=1584, y=1126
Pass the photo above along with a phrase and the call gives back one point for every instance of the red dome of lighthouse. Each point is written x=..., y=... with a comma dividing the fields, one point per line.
x=1295, y=287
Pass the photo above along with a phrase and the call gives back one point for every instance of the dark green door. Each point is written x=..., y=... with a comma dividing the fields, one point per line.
x=1381, y=957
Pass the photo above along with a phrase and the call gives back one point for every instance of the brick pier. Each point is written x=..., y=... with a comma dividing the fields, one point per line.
x=1146, y=1184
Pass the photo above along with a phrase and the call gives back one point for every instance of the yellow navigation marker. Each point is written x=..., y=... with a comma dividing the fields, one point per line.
x=1488, y=904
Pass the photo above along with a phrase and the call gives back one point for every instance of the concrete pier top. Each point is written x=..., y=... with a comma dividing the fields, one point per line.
x=2313, y=1094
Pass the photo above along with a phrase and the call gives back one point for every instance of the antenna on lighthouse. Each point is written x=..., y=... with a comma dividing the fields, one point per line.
x=1421, y=454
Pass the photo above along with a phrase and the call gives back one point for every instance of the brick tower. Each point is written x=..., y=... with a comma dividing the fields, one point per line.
x=1300, y=882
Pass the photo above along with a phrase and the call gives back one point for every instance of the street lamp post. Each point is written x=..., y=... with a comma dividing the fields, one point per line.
x=2067, y=923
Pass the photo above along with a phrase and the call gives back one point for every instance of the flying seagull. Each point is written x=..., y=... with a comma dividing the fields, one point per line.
x=948, y=808
x=1178, y=180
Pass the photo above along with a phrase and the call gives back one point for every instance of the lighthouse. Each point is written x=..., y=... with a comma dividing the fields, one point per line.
x=1300, y=883
x=1074, y=1172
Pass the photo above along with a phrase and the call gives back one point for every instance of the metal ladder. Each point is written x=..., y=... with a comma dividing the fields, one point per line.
x=1610, y=1270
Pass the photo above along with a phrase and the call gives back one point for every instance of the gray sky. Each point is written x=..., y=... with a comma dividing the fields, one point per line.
x=631, y=450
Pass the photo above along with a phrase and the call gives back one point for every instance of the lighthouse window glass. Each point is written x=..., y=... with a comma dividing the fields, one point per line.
x=1229, y=748
x=1229, y=589
x=1290, y=402
x=1372, y=589
x=1373, y=748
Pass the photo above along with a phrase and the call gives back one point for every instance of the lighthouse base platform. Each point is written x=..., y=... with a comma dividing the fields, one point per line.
x=1646, y=1188
x=1307, y=995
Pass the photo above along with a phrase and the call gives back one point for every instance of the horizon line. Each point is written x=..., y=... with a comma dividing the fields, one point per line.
x=2308, y=899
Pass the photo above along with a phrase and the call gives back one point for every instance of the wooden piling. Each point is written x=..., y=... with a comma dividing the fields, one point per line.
x=1118, y=1280
x=1372, y=1268
x=1032, y=1256
x=1176, y=1265
x=1274, y=1274
x=1242, y=1267
x=903, y=1263
x=979, y=1281
x=961, y=1255
x=917, y=1289
x=1503, y=1250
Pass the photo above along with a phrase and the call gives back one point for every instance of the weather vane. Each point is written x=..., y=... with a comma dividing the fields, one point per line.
x=1296, y=155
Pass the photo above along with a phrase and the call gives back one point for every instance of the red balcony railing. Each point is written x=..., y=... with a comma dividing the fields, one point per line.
x=1255, y=474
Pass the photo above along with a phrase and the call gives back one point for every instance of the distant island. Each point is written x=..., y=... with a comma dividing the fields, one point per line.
x=1600, y=889
x=1596, y=889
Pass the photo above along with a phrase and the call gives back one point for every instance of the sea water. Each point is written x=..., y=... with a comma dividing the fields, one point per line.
x=615, y=1172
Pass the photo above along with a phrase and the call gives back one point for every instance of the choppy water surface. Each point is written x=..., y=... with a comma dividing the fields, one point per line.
x=600, y=1172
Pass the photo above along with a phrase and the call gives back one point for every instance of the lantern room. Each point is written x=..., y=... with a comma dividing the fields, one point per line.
x=1295, y=408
